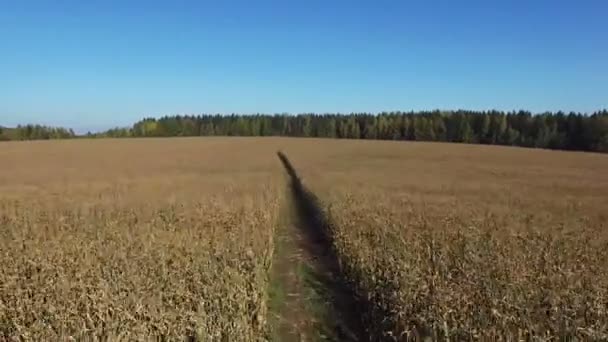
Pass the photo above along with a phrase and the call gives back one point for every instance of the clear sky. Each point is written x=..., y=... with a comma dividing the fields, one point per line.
x=98, y=64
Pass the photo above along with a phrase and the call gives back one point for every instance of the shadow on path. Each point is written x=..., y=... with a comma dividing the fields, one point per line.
x=340, y=319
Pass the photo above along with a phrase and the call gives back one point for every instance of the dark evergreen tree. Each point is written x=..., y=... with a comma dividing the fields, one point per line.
x=572, y=131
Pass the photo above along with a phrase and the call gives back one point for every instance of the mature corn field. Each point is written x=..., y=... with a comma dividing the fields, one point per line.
x=136, y=239
x=469, y=242
x=173, y=238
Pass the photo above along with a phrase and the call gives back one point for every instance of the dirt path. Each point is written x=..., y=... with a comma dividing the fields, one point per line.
x=307, y=299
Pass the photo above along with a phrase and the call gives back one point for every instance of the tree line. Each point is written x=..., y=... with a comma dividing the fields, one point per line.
x=572, y=131
x=35, y=132
x=559, y=130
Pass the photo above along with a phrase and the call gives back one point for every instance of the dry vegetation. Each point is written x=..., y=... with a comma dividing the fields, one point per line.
x=461, y=242
x=134, y=239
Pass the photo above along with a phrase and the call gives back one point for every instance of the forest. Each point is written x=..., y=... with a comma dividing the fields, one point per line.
x=571, y=131
x=35, y=132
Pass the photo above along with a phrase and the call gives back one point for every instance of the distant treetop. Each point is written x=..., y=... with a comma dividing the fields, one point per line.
x=571, y=131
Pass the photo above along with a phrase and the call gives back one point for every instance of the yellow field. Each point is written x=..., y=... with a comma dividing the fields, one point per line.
x=461, y=241
x=136, y=238
x=141, y=238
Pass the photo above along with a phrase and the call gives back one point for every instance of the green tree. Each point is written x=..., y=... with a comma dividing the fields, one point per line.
x=499, y=127
x=465, y=133
x=439, y=129
x=510, y=137
x=484, y=131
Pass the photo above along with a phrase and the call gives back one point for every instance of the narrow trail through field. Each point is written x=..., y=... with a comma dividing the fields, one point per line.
x=308, y=301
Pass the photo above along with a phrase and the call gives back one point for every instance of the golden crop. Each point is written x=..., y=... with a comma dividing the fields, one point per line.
x=145, y=239
x=469, y=242
x=136, y=239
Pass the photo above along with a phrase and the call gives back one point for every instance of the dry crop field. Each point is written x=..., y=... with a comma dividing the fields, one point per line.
x=135, y=239
x=170, y=238
x=458, y=242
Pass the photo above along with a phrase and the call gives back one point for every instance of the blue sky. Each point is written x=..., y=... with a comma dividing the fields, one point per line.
x=94, y=65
